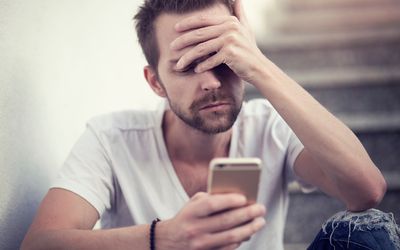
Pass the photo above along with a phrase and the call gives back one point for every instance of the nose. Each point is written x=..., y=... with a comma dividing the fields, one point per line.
x=209, y=81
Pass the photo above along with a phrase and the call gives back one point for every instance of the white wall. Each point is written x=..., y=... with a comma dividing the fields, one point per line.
x=61, y=62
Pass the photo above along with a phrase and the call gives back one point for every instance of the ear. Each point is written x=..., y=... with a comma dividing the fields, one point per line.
x=152, y=80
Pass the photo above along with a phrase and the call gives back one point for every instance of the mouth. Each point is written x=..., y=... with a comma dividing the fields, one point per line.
x=215, y=106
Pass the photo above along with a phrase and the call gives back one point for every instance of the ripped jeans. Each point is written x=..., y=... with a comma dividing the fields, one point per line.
x=368, y=230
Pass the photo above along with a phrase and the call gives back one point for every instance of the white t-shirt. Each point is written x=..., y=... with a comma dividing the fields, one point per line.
x=120, y=165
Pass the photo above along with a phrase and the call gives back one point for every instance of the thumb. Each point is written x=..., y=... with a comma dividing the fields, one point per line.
x=238, y=11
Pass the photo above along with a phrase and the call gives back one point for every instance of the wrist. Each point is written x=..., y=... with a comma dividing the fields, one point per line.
x=152, y=234
x=163, y=237
x=270, y=77
x=262, y=71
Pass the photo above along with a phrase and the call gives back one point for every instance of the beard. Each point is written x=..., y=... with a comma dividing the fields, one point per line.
x=212, y=122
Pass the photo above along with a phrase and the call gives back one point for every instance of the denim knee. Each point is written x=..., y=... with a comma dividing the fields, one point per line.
x=371, y=229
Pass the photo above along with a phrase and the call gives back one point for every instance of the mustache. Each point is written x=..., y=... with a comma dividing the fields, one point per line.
x=208, y=98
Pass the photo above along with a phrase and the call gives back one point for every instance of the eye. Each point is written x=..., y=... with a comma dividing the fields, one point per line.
x=223, y=69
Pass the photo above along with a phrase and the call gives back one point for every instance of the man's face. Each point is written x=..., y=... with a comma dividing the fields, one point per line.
x=208, y=101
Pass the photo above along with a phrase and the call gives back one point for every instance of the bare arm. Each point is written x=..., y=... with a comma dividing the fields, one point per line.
x=333, y=158
x=65, y=221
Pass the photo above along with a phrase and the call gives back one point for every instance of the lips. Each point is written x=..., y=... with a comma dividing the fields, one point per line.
x=214, y=105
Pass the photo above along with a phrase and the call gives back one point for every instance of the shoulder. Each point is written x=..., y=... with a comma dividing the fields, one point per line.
x=258, y=109
x=259, y=116
x=125, y=120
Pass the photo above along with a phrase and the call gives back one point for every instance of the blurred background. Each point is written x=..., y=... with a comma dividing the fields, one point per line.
x=346, y=53
x=62, y=62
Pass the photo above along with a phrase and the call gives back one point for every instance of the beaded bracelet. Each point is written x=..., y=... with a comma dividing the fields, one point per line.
x=152, y=234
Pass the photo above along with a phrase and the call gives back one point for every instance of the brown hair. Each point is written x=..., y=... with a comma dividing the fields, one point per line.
x=149, y=12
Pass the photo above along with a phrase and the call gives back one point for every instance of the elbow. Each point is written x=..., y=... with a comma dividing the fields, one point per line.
x=371, y=198
x=377, y=192
x=381, y=191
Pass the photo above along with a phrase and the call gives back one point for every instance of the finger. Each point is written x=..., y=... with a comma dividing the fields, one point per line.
x=239, y=12
x=199, y=195
x=216, y=203
x=196, y=36
x=232, y=218
x=211, y=63
x=199, y=21
x=235, y=235
x=199, y=51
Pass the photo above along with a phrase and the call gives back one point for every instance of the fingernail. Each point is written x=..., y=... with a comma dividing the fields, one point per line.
x=259, y=222
x=179, y=65
x=241, y=198
x=262, y=209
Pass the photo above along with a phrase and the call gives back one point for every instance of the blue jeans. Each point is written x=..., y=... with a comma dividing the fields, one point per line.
x=371, y=229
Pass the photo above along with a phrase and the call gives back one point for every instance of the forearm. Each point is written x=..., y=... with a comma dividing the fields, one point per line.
x=333, y=145
x=136, y=237
x=320, y=132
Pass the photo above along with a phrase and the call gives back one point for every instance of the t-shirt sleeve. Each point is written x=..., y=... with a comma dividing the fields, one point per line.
x=294, y=148
x=87, y=172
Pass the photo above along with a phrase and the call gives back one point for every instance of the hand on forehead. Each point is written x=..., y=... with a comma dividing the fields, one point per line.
x=168, y=32
x=207, y=33
x=206, y=17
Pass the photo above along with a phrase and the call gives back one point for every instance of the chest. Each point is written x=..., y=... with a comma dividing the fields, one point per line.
x=193, y=179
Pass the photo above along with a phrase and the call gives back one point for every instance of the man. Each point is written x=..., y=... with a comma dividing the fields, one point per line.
x=129, y=168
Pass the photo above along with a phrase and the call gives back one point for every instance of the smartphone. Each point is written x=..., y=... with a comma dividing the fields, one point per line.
x=235, y=175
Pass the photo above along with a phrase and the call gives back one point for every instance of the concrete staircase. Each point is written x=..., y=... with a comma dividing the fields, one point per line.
x=347, y=55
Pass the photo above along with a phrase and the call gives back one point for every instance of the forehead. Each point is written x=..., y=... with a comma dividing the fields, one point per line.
x=165, y=23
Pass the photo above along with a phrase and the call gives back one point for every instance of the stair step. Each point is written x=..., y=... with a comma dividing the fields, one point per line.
x=331, y=19
x=355, y=98
x=362, y=99
x=285, y=42
x=380, y=55
x=370, y=123
x=392, y=180
x=383, y=148
x=346, y=77
x=338, y=4
x=306, y=214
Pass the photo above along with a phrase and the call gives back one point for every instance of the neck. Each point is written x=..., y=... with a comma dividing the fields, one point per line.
x=189, y=145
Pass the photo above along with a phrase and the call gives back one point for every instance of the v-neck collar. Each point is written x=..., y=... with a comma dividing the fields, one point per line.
x=164, y=152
